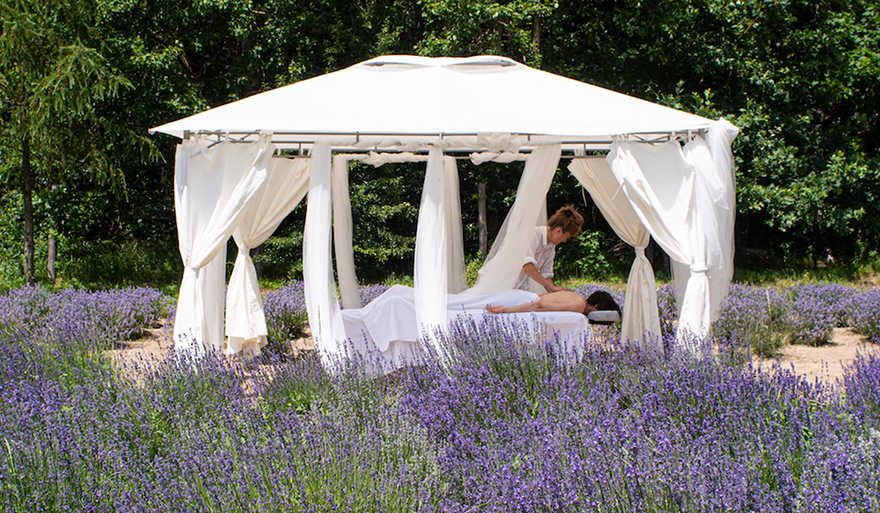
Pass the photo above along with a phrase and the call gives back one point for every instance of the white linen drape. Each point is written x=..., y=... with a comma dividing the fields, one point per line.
x=715, y=193
x=720, y=185
x=342, y=222
x=455, y=278
x=343, y=233
x=286, y=184
x=214, y=184
x=640, y=314
x=430, y=272
x=322, y=304
x=502, y=267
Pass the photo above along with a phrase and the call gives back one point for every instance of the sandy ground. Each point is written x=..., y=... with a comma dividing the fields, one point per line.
x=826, y=363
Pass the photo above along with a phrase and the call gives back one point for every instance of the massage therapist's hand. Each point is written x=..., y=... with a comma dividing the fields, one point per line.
x=556, y=288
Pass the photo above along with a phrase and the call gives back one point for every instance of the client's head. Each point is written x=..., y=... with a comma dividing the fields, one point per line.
x=601, y=300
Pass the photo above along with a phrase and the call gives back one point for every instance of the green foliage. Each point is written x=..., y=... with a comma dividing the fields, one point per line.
x=101, y=264
x=281, y=255
x=385, y=214
x=513, y=28
x=584, y=256
x=85, y=79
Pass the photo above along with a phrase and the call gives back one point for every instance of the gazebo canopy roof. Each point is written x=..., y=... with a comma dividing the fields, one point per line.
x=406, y=98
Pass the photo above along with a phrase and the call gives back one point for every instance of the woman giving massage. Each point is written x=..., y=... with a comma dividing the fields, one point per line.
x=562, y=301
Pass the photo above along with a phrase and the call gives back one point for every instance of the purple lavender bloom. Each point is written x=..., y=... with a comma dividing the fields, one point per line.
x=514, y=422
x=864, y=314
x=285, y=311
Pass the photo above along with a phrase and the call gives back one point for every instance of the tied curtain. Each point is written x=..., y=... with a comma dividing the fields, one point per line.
x=673, y=189
x=641, y=314
x=285, y=186
x=214, y=185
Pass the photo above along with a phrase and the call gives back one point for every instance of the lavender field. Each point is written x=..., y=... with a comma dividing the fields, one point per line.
x=508, y=427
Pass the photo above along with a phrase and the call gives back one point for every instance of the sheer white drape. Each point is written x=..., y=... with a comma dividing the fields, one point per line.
x=430, y=272
x=505, y=260
x=343, y=233
x=455, y=278
x=640, y=314
x=674, y=191
x=715, y=193
x=286, y=184
x=322, y=304
x=214, y=185
x=720, y=185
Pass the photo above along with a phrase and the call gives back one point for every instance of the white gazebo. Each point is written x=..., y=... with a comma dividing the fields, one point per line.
x=242, y=167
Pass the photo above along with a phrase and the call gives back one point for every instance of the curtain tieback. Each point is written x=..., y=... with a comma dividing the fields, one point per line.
x=640, y=251
x=699, y=269
x=243, y=251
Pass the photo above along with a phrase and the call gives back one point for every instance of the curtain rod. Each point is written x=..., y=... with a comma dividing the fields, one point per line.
x=308, y=138
x=456, y=157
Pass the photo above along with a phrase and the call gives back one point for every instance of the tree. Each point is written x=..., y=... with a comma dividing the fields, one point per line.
x=50, y=81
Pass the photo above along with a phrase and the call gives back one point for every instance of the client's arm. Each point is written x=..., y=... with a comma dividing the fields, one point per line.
x=561, y=301
x=534, y=274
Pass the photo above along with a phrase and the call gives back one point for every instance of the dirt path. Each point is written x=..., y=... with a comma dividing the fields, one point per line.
x=826, y=363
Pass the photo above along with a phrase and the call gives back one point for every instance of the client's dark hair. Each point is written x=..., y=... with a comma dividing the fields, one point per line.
x=602, y=301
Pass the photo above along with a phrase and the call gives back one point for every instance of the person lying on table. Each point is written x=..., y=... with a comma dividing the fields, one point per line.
x=538, y=264
x=562, y=301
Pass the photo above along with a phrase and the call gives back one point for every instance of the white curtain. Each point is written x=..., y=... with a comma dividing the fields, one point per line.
x=214, y=184
x=659, y=183
x=286, y=184
x=322, y=303
x=715, y=192
x=640, y=314
x=720, y=185
x=455, y=278
x=430, y=273
x=502, y=267
x=673, y=190
x=343, y=233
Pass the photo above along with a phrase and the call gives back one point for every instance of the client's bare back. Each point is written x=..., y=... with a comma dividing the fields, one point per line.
x=560, y=301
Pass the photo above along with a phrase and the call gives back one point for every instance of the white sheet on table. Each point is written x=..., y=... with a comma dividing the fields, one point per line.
x=390, y=318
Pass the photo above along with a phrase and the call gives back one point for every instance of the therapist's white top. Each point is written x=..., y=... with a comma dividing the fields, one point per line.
x=541, y=253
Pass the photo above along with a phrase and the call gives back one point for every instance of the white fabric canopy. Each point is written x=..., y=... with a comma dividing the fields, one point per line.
x=640, y=314
x=684, y=197
x=214, y=185
x=429, y=96
x=245, y=318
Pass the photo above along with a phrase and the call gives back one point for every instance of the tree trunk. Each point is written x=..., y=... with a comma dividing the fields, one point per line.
x=51, y=257
x=481, y=220
x=27, y=187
